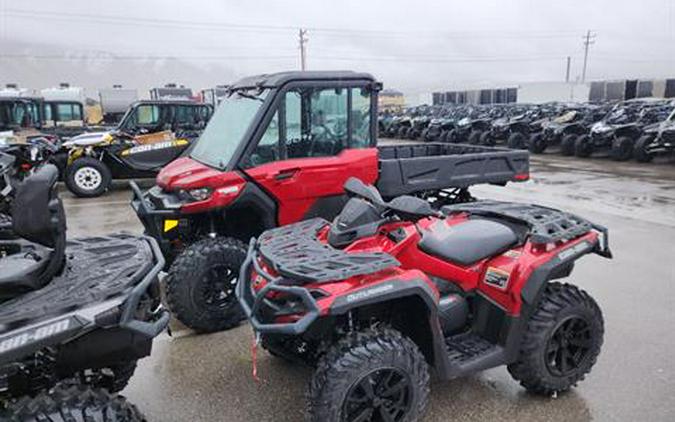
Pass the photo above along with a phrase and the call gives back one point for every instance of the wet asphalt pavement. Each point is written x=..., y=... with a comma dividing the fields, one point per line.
x=208, y=377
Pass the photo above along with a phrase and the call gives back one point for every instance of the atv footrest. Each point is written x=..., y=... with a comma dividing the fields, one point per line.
x=469, y=352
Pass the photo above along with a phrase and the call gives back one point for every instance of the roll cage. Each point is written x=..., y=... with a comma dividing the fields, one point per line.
x=279, y=85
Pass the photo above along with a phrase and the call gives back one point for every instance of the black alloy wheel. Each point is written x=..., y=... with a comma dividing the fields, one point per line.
x=383, y=395
x=569, y=346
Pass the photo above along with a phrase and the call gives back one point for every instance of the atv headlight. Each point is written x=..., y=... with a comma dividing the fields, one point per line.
x=200, y=194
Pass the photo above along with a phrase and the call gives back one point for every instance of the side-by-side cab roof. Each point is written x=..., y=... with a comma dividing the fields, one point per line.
x=275, y=80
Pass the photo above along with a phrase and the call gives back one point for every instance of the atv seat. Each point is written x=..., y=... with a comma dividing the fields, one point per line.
x=21, y=271
x=38, y=220
x=468, y=242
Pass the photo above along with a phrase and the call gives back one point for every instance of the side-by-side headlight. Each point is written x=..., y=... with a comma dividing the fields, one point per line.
x=200, y=194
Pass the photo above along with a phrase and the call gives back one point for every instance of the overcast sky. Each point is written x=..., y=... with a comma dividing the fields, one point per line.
x=415, y=46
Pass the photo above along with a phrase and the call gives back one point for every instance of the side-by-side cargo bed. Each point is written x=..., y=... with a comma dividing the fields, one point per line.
x=412, y=168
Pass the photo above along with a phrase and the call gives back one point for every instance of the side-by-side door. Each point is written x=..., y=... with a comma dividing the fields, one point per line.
x=316, y=139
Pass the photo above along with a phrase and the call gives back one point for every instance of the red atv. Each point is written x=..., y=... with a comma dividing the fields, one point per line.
x=278, y=150
x=391, y=288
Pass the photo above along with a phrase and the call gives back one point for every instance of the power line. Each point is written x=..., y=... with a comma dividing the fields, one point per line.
x=395, y=58
x=326, y=31
x=99, y=56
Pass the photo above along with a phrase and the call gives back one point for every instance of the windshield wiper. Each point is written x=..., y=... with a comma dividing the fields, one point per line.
x=249, y=96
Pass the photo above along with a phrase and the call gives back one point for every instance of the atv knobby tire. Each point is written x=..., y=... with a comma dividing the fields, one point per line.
x=583, y=147
x=517, y=140
x=539, y=364
x=622, y=149
x=72, y=403
x=640, y=149
x=474, y=137
x=365, y=358
x=190, y=284
x=88, y=177
x=487, y=139
x=567, y=145
x=537, y=144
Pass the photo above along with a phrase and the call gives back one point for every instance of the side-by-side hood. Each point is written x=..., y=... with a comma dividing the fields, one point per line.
x=86, y=139
x=186, y=173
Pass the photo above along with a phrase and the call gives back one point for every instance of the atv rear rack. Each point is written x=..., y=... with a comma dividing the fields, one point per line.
x=547, y=225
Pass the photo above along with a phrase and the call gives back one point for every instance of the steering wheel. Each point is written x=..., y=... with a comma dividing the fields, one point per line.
x=326, y=136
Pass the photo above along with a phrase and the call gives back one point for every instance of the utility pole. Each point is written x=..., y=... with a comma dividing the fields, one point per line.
x=302, y=39
x=567, y=72
x=589, y=39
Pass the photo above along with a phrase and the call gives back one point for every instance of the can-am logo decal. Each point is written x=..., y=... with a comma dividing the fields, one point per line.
x=154, y=146
x=363, y=294
x=35, y=334
x=497, y=277
x=573, y=250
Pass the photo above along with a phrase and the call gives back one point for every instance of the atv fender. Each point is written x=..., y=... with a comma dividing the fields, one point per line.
x=412, y=285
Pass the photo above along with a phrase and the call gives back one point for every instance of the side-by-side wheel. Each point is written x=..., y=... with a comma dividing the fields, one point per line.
x=88, y=177
x=201, y=281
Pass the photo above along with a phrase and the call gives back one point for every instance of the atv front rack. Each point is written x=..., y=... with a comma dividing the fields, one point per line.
x=294, y=252
x=296, y=255
x=547, y=225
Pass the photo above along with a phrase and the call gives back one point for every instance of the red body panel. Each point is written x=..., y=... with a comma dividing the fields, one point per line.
x=517, y=264
x=307, y=179
x=186, y=173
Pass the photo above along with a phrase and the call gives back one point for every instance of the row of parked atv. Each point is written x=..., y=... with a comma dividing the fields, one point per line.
x=339, y=256
x=638, y=128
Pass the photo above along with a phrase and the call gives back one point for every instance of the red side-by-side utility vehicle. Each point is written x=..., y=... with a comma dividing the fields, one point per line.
x=278, y=150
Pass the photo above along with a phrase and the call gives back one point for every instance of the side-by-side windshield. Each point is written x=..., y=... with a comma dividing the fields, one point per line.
x=227, y=127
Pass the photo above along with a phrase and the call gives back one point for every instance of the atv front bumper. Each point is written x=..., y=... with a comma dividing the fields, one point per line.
x=260, y=311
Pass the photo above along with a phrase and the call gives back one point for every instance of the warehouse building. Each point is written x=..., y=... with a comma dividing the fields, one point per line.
x=542, y=92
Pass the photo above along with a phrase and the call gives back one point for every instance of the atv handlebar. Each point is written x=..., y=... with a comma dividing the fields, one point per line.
x=251, y=301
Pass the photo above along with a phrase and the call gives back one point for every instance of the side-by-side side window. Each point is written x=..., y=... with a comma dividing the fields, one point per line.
x=360, y=118
x=315, y=123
